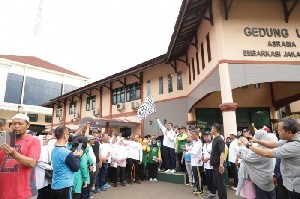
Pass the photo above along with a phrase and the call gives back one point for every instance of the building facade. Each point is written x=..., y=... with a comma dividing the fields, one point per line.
x=231, y=62
x=28, y=82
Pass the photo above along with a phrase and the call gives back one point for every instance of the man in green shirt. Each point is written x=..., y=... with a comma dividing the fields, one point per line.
x=181, y=141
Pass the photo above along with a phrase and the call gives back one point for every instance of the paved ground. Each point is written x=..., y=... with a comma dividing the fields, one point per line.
x=153, y=190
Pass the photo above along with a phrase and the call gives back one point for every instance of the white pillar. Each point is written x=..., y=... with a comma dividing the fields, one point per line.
x=228, y=107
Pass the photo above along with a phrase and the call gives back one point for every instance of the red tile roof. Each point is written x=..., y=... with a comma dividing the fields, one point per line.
x=34, y=61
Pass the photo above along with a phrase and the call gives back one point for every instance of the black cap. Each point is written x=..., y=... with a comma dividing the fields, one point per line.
x=207, y=133
x=183, y=127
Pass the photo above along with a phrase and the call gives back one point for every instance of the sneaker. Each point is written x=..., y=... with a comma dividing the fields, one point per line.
x=123, y=184
x=234, y=188
x=159, y=169
x=198, y=193
x=168, y=171
x=188, y=184
x=173, y=171
x=207, y=193
x=103, y=188
x=138, y=182
x=211, y=196
x=191, y=184
x=107, y=185
x=96, y=190
x=155, y=180
x=150, y=179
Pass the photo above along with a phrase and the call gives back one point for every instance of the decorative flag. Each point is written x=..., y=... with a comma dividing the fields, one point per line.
x=146, y=108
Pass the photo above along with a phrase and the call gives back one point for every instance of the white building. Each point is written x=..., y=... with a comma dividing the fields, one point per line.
x=28, y=82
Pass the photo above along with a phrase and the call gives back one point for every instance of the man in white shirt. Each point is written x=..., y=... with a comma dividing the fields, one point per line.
x=105, y=152
x=233, y=157
x=169, y=143
x=196, y=162
x=207, y=148
x=137, y=157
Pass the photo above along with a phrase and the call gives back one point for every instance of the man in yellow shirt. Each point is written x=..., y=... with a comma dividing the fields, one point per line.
x=181, y=141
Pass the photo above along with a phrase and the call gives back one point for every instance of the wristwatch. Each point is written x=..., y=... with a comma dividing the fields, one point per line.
x=248, y=144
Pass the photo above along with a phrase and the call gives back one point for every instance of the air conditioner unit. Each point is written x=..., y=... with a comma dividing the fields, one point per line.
x=120, y=106
x=96, y=111
x=135, y=105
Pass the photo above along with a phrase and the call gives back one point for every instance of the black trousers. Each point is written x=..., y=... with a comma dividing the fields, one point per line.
x=234, y=174
x=181, y=165
x=129, y=165
x=281, y=191
x=45, y=193
x=261, y=194
x=170, y=160
x=209, y=181
x=294, y=195
x=62, y=193
x=136, y=169
x=117, y=173
x=81, y=195
x=198, y=178
x=153, y=170
x=142, y=171
x=219, y=181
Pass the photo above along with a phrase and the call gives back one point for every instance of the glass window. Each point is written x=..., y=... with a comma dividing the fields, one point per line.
x=69, y=88
x=133, y=92
x=179, y=81
x=59, y=111
x=33, y=117
x=260, y=117
x=13, y=90
x=148, y=88
x=48, y=118
x=90, y=103
x=72, y=107
x=38, y=91
x=170, y=83
x=118, y=95
x=161, y=85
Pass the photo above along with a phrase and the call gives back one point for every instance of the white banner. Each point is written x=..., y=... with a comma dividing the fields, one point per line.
x=146, y=108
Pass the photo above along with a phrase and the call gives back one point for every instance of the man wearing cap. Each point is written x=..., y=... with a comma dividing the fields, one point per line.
x=180, y=142
x=234, y=158
x=17, y=175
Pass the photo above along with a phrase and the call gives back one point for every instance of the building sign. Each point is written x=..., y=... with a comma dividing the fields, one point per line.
x=279, y=38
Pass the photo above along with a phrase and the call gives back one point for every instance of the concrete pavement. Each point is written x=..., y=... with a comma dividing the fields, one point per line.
x=153, y=190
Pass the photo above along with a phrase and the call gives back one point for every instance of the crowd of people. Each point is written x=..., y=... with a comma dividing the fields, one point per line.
x=68, y=164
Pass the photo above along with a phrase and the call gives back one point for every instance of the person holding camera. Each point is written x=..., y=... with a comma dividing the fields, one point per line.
x=18, y=162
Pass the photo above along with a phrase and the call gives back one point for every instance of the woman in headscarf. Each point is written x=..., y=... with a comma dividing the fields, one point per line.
x=259, y=168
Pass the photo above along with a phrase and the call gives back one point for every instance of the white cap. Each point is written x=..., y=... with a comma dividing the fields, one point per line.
x=21, y=116
x=233, y=133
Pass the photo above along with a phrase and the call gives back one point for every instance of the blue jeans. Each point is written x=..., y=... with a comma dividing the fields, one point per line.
x=103, y=174
x=209, y=181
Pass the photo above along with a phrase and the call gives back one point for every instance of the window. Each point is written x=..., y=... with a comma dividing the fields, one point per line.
x=202, y=56
x=206, y=117
x=90, y=103
x=148, y=88
x=190, y=76
x=133, y=92
x=170, y=83
x=256, y=86
x=48, y=118
x=193, y=68
x=59, y=111
x=72, y=108
x=118, y=95
x=179, y=81
x=69, y=88
x=33, y=117
x=208, y=47
x=39, y=91
x=13, y=90
x=161, y=85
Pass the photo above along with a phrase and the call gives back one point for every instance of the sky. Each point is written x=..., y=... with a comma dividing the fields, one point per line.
x=94, y=38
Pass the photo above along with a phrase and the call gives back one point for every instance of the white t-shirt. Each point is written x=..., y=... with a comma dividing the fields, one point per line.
x=196, y=154
x=207, y=152
x=233, y=151
x=169, y=136
x=106, y=148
